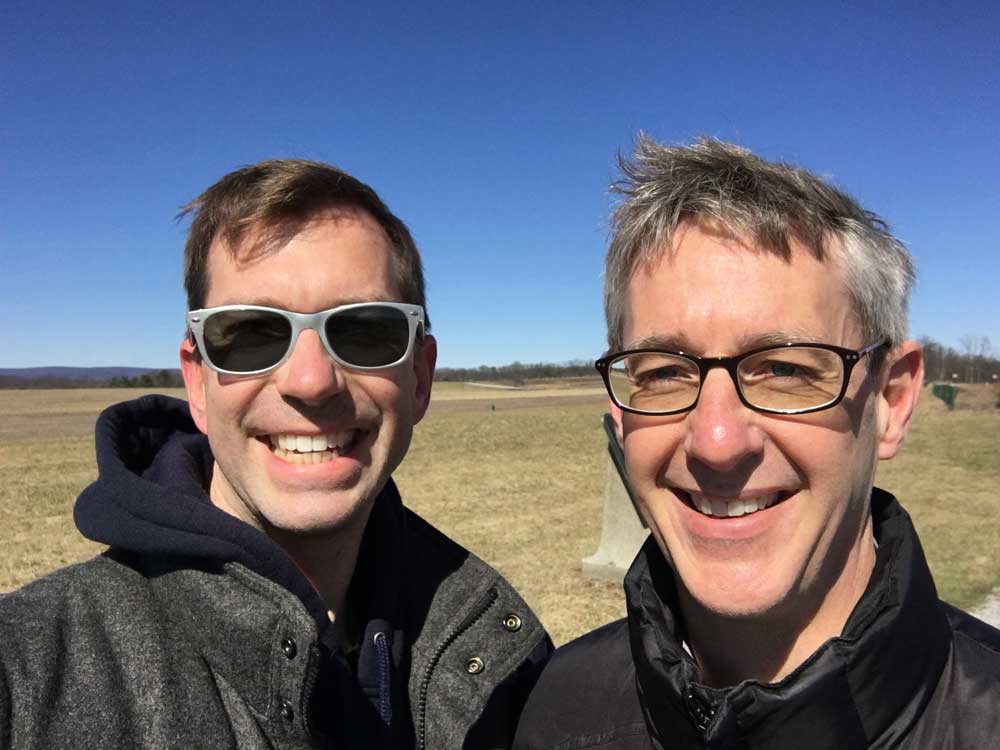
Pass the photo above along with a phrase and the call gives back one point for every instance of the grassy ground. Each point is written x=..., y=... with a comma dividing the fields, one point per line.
x=522, y=486
x=47, y=457
x=518, y=477
x=948, y=478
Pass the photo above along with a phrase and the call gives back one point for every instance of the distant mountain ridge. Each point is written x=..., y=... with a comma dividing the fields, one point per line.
x=80, y=373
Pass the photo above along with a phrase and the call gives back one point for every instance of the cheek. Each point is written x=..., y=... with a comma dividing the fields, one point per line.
x=227, y=404
x=387, y=397
x=834, y=458
x=839, y=445
x=649, y=450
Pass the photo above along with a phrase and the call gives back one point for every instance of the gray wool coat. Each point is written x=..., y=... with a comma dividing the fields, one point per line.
x=196, y=631
x=125, y=653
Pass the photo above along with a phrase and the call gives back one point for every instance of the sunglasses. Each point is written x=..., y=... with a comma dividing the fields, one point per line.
x=253, y=340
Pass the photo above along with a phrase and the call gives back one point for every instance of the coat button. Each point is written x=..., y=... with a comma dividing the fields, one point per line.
x=512, y=622
x=286, y=711
x=475, y=665
x=289, y=647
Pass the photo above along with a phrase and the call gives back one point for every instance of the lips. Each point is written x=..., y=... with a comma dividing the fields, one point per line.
x=311, y=449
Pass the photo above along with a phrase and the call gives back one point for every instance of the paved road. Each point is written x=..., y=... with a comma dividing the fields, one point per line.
x=989, y=610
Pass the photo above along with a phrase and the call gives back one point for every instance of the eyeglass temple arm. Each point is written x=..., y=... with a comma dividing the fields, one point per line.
x=873, y=347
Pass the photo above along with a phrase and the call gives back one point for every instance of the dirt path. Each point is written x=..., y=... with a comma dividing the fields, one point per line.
x=516, y=402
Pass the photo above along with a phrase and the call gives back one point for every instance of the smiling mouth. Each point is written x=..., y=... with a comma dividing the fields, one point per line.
x=730, y=507
x=312, y=449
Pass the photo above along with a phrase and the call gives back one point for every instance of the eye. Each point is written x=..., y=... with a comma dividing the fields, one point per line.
x=784, y=369
x=662, y=377
x=660, y=373
x=779, y=368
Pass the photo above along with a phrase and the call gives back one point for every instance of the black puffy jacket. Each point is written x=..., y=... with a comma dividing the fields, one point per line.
x=909, y=671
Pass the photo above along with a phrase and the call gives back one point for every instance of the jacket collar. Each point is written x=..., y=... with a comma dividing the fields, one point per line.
x=871, y=683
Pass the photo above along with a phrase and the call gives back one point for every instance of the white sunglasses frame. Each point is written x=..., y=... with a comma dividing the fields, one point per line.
x=302, y=321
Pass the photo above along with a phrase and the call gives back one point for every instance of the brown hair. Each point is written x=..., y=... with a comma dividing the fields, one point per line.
x=279, y=197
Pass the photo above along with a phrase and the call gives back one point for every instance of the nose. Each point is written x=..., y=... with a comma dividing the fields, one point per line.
x=309, y=375
x=722, y=435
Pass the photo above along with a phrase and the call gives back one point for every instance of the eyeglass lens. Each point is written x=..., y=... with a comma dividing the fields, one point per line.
x=251, y=340
x=781, y=379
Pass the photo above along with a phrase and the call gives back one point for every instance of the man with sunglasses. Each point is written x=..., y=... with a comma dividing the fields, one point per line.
x=265, y=586
x=758, y=369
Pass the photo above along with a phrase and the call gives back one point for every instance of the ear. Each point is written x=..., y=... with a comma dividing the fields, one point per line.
x=193, y=371
x=897, y=399
x=424, y=360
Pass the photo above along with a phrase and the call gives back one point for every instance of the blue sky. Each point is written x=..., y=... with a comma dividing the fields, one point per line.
x=491, y=129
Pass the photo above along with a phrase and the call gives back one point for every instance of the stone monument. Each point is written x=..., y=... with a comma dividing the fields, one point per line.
x=622, y=529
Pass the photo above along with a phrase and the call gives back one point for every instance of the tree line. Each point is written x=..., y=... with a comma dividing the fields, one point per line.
x=974, y=362
x=155, y=379
x=516, y=373
x=152, y=379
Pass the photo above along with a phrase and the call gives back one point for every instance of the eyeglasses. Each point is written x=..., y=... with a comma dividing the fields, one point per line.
x=252, y=340
x=788, y=379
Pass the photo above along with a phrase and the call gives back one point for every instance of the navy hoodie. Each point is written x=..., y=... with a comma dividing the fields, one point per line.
x=150, y=499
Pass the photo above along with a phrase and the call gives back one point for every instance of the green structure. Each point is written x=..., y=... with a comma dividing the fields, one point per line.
x=946, y=393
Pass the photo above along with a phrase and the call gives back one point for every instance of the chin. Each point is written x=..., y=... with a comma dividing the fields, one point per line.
x=738, y=594
x=320, y=516
x=744, y=609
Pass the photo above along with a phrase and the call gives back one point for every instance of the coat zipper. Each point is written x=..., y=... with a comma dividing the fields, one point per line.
x=384, y=676
x=469, y=621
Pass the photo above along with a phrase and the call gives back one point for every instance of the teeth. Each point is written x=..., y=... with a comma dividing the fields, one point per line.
x=310, y=449
x=719, y=507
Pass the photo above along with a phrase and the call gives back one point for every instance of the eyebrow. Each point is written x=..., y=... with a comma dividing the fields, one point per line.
x=681, y=344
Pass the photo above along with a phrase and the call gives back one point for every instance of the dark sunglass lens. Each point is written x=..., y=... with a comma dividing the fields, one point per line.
x=246, y=340
x=370, y=336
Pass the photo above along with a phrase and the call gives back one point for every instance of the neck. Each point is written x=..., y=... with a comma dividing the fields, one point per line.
x=768, y=647
x=328, y=561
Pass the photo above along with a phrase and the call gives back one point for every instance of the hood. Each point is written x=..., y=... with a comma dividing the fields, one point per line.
x=150, y=498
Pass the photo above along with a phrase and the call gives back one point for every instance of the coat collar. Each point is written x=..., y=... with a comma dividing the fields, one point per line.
x=871, y=683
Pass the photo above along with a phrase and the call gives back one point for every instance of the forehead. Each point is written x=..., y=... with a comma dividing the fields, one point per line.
x=719, y=294
x=338, y=256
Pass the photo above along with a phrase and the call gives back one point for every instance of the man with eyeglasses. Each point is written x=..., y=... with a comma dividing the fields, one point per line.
x=264, y=585
x=758, y=369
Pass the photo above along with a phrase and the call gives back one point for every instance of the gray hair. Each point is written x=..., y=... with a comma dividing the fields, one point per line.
x=770, y=203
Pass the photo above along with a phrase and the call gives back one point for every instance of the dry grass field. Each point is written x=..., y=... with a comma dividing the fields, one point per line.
x=517, y=476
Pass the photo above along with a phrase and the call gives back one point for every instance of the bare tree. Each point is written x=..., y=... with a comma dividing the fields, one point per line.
x=970, y=347
x=985, y=348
